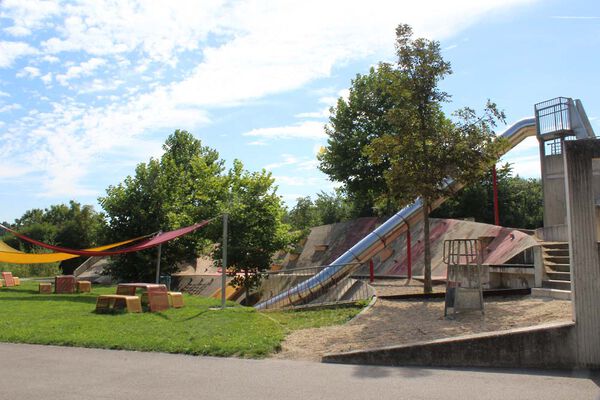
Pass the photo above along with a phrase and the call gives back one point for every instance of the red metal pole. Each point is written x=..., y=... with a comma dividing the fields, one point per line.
x=408, y=253
x=495, y=187
x=371, y=271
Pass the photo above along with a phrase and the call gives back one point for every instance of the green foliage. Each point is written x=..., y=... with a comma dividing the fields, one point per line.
x=180, y=189
x=353, y=125
x=72, y=225
x=520, y=201
x=394, y=126
x=326, y=209
x=69, y=320
x=31, y=270
x=256, y=230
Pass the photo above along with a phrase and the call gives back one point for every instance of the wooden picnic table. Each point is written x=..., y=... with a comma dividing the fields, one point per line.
x=157, y=294
x=130, y=288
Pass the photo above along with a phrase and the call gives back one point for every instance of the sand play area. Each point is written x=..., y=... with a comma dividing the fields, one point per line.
x=398, y=322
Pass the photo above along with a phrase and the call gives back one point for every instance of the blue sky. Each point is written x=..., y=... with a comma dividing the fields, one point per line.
x=89, y=89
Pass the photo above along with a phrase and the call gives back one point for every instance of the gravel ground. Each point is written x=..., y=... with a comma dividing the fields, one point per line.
x=393, y=322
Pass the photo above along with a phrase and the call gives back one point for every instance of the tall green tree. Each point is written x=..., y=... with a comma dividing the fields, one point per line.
x=426, y=148
x=256, y=228
x=354, y=123
x=183, y=187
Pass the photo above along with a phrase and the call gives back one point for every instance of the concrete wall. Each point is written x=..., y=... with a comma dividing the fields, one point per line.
x=583, y=248
x=555, y=211
x=547, y=346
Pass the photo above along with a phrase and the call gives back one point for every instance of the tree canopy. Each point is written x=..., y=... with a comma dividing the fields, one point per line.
x=409, y=141
x=256, y=231
x=188, y=184
x=353, y=124
x=184, y=186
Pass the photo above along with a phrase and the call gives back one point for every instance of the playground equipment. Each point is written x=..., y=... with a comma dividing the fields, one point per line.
x=464, y=291
x=398, y=224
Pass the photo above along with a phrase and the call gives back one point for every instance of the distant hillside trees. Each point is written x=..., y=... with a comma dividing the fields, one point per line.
x=520, y=201
x=73, y=225
x=327, y=208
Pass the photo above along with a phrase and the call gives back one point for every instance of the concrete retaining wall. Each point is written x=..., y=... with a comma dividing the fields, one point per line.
x=549, y=346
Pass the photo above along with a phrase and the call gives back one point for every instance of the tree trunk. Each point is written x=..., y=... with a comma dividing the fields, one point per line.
x=427, y=288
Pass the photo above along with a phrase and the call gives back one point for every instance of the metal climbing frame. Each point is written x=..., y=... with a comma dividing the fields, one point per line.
x=464, y=291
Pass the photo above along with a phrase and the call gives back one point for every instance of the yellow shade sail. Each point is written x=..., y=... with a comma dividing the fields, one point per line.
x=14, y=256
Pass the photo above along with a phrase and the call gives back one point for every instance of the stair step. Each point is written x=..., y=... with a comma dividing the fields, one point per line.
x=556, y=245
x=557, y=252
x=559, y=276
x=553, y=267
x=552, y=293
x=558, y=259
x=553, y=284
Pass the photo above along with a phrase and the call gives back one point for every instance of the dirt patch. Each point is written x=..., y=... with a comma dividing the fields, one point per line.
x=390, y=323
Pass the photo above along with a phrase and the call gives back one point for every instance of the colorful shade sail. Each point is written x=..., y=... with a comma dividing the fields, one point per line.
x=14, y=256
x=146, y=244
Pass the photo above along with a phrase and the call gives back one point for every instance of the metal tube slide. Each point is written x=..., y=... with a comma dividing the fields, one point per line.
x=371, y=244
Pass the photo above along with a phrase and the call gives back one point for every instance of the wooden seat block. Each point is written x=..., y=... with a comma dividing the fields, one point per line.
x=107, y=302
x=9, y=280
x=84, y=286
x=64, y=284
x=158, y=301
x=17, y=281
x=45, y=287
x=175, y=299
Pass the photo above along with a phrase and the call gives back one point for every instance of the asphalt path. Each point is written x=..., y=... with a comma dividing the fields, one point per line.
x=49, y=372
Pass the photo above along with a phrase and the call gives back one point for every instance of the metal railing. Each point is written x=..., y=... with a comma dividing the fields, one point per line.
x=342, y=291
x=552, y=116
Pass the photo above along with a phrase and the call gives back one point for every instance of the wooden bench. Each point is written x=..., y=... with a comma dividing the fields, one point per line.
x=84, y=286
x=108, y=302
x=175, y=299
x=45, y=287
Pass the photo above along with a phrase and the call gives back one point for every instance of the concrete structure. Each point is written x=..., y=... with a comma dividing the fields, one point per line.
x=563, y=345
x=557, y=121
x=583, y=243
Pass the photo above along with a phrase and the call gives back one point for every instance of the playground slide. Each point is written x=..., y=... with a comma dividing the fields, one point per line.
x=387, y=232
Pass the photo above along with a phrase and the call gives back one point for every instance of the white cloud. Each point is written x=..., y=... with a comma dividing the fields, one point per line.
x=4, y=94
x=51, y=59
x=257, y=143
x=10, y=107
x=47, y=79
x=10, y=51
x=84, y=69
x=288, y=159
x=324, y=113
x=27, y=15
x=8, y=171
x=305, y=130
x=28, y=71
x=258, y=48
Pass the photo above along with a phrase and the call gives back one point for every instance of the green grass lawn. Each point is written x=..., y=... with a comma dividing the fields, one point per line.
x=70, y=320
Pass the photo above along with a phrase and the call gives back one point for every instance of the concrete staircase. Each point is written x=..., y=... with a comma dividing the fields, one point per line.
x=557, y=284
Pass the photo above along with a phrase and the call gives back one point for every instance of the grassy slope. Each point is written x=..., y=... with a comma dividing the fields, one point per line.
x=29, y=317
